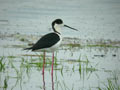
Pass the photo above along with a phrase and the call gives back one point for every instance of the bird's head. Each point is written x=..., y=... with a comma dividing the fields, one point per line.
x=58, y=23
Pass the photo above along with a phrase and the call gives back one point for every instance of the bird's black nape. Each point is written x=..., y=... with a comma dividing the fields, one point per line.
x=56, y=21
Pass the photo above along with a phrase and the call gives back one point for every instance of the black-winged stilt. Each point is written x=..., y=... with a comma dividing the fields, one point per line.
x=51, y=41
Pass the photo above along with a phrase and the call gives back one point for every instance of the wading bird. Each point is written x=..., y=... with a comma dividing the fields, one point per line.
x=51, y=41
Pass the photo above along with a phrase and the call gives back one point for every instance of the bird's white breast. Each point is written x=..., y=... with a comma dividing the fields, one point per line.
x=55, y=46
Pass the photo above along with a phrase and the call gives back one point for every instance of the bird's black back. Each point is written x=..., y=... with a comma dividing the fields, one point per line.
x=46, y=41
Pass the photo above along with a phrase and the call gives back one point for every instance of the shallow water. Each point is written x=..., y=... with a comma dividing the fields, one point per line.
x=87, y=60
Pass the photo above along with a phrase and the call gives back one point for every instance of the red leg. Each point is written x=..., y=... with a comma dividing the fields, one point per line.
x=52, y=64
x=43, y=62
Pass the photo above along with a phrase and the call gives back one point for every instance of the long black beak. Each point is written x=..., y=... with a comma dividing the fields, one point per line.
x=70, y=27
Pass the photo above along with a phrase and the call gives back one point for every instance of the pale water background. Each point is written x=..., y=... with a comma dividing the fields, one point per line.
x=95, y=20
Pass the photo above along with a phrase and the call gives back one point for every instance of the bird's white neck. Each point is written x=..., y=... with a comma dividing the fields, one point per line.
x=57, y=28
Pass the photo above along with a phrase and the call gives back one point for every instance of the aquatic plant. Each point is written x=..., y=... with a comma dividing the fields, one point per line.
x=2, y=64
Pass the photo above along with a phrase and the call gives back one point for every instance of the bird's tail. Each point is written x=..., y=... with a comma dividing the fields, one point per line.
x=27, y=48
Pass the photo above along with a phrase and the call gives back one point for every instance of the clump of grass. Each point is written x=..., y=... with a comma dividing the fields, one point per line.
x=2, y=65
x=110, y=86
x=91, y=69
x=80, y=68
x=61, y=70
x=80, y=64
x=22, y=39
x=73, y=45
x=37, y=64
x=13, y=66
x=5, y=84
x=112, y=83
x=103, y=45
x=83, y=61
x=11, y=57
x=25, y=64
x=55, y=61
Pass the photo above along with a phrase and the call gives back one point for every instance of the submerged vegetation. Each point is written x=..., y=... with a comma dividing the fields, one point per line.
x=2, y=64
x=112, y=83
x=26, y=65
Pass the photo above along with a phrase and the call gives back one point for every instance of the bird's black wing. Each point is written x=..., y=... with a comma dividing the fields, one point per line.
x=46, y=41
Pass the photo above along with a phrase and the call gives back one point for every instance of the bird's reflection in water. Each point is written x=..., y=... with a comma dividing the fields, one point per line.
x=44, y=81
x=52, y=82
